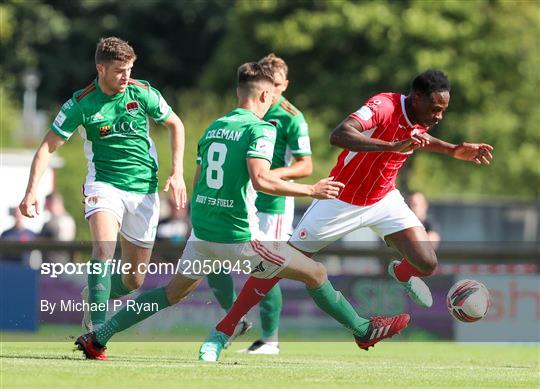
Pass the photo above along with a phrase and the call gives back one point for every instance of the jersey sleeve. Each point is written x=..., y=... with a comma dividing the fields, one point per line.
x=157, y=107
x=261, y=143
x=68, y=119
x=376, y=111
x=298, y=137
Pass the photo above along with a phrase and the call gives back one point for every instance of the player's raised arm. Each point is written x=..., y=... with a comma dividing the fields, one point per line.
x=175, y=181
x=267, y=182
x=51, y=142
x=478, y=153
x=349, y=135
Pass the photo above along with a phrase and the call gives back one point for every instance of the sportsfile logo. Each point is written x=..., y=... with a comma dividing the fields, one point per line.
x=196, y=267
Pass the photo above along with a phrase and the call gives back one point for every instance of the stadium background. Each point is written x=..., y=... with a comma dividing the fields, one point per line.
x=339, y=53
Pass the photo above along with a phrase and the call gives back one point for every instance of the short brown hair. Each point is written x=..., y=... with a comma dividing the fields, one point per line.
x=113, y=48
x=252, y=72
x=274, y=64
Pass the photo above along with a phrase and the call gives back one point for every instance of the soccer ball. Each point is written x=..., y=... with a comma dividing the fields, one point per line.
x=468, y=300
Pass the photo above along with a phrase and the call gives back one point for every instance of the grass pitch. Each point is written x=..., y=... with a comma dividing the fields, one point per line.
x=300, y=365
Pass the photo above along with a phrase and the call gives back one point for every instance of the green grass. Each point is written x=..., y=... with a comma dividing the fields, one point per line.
x=300, y=365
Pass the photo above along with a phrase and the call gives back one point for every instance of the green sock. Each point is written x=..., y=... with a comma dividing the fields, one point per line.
x=270, y=310
x=334, y=304
x=223, y=287
x=149, y=303
x=99, y=288
x=118, y=289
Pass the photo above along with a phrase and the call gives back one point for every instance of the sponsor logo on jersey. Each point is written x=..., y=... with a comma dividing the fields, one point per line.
x=365, y=113
x=120, y=129
x=97, y=117
x=60, y=118
x=132, y=108
x=104, y=131
x=259, y=268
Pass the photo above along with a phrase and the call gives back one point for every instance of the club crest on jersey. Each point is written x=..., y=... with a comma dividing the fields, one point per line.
x=91, y=200
x=303, y=234
x=274, y=122
x=132, y=108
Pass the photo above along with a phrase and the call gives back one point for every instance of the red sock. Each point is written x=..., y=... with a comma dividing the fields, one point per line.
x=404, y=271
x=248, y=297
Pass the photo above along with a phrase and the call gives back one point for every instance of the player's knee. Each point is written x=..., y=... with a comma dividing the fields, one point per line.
x=317, y=276
x=102, y=250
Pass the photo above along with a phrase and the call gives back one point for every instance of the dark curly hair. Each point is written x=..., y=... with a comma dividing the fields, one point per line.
x=430, y=81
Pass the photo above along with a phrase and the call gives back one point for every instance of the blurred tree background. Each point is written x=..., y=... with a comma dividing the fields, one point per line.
x=339, y=53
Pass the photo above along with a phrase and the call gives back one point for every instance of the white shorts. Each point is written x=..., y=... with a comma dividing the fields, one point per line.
x=257, y=258
x=326, y=221
x=137, y=214
x=277, y=226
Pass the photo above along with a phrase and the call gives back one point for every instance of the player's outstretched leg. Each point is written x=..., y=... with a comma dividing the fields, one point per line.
x=366, y=332
x=252, y=293
x=149, y=303
x=419, y=261
x=212, y=346
x=382, y=327
x=222, y=286
x=270, y=310
x=417, y=289
x=313, y=274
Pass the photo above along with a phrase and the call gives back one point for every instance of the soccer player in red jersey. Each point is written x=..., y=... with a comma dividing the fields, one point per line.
x=377, y=139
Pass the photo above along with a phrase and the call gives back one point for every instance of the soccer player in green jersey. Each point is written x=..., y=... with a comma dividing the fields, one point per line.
x=234, y=152
x=120, y=191
x=291, y=160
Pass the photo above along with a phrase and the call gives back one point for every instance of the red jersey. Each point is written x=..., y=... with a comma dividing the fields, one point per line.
x=369, y=176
